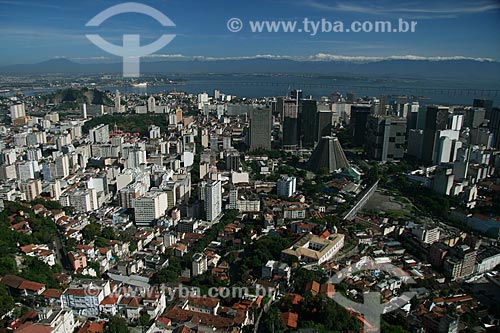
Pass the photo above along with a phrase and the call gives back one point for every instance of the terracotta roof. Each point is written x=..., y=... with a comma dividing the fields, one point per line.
x=12, y=281
x=92, y=327
x=327, y=289
x=295, y=298
x=205, y=302
x=52, y=293
x=130, y=301
x=314, y=287
x=30, y=328
x=290, y=319
x=81, y=292
x=27, y=248
x=110, y=299
x=32, y=286
x=181, y=316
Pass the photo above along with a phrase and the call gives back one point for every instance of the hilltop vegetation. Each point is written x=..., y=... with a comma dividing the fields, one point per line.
x=73, y=98
x=128, y=123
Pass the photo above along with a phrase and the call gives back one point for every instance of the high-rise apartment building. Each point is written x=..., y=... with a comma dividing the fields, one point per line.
x=99, y=134
x=286, y=186
x=17, y=111
x=260, y=129
x=149, y=208
x=213, y=200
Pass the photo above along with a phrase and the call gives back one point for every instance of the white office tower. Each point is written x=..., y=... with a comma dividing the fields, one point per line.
x=84, y=111
x=9, y=156
x=446, y=145
x=233, y=198
x=152, y=206
x=21, y=139
x=151, y=104
x=220, y=110
x=455, y=122
x=199, y=265
x=33, y=154
x=82, y=200
x=213, y=200
x=216, y=94
x=8, y=172
x=172, y=119
x=118, y=102
x=202, y=100
x=31, y=188
x=286, y=186
x=17, y=111
x=25, y=170
x=135, y=158
x=99, y=134
x=154, y=132
x=62, y=166
x=55, y=189
x=401, y=109
x=426, y=234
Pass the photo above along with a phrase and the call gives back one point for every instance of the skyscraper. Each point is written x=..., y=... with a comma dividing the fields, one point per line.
x=260, y=129
x=486, y=104
x=149, y=208
x=99, y=134
x=385, y=138
x=213, y=200
x=286, y=186
x=84, y=111
x=495, y=126
x=307, y=123
x=359, y=115
x=118, y=102
x=324, y=124
x=17, y=111
x=290, y=124
x=435, y=118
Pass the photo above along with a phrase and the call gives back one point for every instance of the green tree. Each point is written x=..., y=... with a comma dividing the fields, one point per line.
x=91, y=231
x=272, y=321
x=7, y=266
x=117, y=324
x=108, y=233
x=6, y=301
x=144, y=319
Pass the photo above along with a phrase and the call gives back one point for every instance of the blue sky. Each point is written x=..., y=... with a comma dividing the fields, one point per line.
x=32, y=30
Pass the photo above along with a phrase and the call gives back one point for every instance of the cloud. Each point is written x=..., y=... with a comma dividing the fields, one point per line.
x=412, y=9
x=333, y=57
x=320, y=57
x=40, y=4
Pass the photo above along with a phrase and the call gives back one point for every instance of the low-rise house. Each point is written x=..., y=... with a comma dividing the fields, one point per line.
x=78, y=260
x=53, y=296
x=22, y=287
x=313, y=249
x=41, y=252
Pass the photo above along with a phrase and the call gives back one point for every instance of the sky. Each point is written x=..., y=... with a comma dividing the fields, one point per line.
x=32, y=31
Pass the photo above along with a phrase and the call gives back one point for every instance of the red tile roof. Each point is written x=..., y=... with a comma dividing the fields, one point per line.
x=52, y=293
x=92, y=327
x=290, y=319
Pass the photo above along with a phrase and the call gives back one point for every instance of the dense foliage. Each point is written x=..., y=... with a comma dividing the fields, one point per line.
x=129, y=123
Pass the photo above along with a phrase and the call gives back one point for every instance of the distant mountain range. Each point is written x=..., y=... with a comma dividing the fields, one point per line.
x=461, y=68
